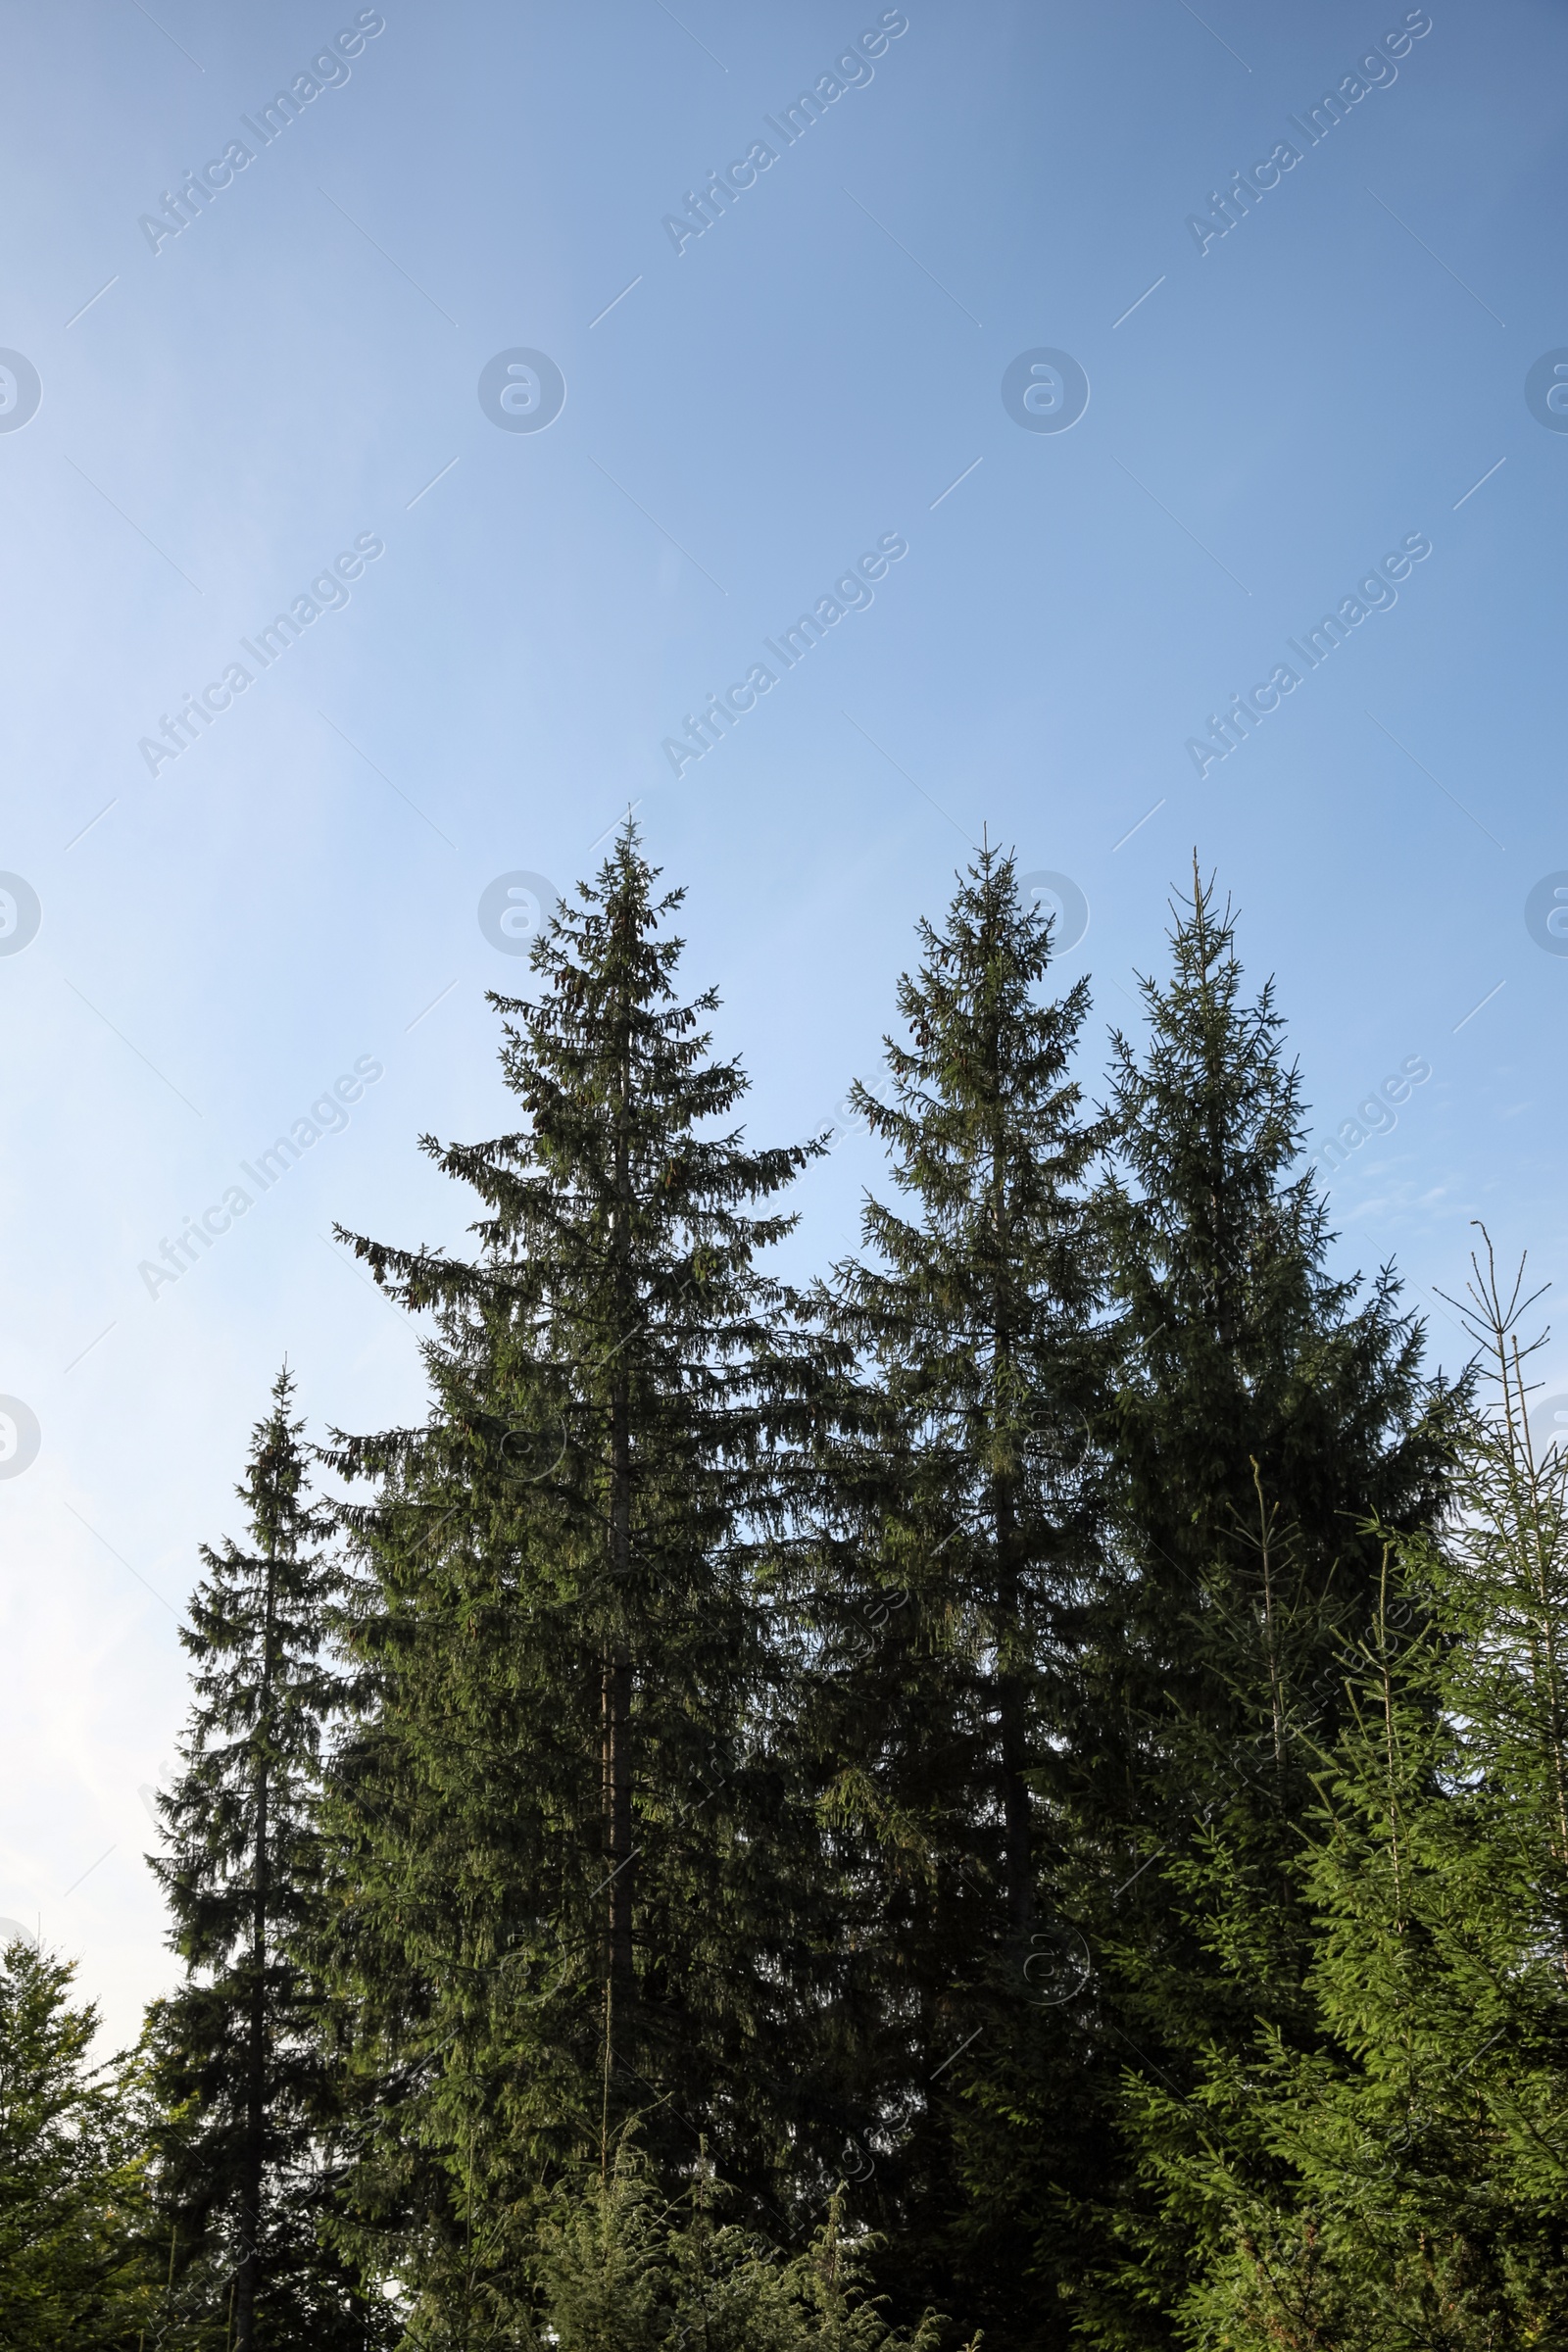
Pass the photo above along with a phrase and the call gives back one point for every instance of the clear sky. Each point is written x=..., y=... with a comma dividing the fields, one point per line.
x=262, y=364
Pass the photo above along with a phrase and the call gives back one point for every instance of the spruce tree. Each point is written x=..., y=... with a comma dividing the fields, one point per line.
x=1247, y=1364
x=1404, y=2182
x=559, y=1835
x=625, y=2270
x=1266, y=1411
x=959, y=1552
x=234, y=2051
x=77, y=2271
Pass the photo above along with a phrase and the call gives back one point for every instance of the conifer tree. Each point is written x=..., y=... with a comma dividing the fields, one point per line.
x=625, y=2270
x=1247, y=1363
x=235, y=2049
x=959, y=1552
x=1404, y=2182
x=76, y=2270
x=558, y=1829
x=1266, y=1411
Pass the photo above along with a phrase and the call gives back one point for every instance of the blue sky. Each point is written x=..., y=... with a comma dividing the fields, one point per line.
x=295, y=375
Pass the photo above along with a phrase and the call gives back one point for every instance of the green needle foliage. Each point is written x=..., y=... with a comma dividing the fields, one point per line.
x=624, y=2270
x=1043, y=1766
x=1403, y=2185
x=76, y=2271
x=560, y=1840
x=959, y=1552
x=1265, y=1411
x=1265, y=1408
x=236, y=2051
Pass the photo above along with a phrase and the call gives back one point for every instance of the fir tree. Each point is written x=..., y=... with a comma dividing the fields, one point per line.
x=1266, y=1411
x=1265, y=1406
x=76, y=2272
x=959, y=1553
x=235, y=2052
x=625, y=2270
x=1402, y=2183
x=559, y=1830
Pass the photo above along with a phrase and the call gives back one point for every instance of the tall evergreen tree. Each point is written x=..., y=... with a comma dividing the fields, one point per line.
x=1266, y=1411
x=235, y=2050
x=559, y=1835
x=960, y=1550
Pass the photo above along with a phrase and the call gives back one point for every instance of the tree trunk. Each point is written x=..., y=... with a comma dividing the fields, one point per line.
x=247, y=2277
x=1012, y=1677
x=1017, y=1803
x=616, y=1715
x=615, y=1663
